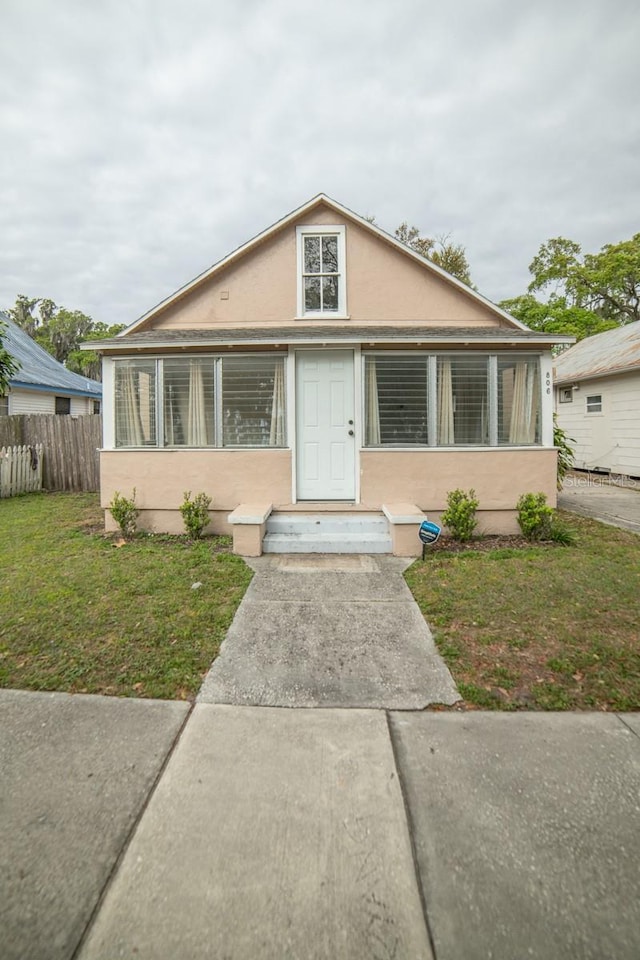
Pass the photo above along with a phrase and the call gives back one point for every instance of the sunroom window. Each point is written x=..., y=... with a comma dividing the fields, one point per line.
x=253, y=401
x=200, y=402
x=518, y=400
x=449, y=400
x=135, y=403
x=463, y=401
x=189, y=402
x=396, y=400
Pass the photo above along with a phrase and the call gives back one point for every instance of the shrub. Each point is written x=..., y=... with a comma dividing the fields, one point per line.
x=565, y=451
x=125, y=513
x=460, y=515
x=535, y=518
x=562, y=534
x=195, y=513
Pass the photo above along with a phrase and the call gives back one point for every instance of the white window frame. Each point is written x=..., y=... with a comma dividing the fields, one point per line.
x=317, y=230
x=596, y=405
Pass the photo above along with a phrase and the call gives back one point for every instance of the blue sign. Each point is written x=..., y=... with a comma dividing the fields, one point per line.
x=429, y=531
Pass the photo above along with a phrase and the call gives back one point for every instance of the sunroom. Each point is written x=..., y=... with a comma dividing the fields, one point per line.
x=409, y=399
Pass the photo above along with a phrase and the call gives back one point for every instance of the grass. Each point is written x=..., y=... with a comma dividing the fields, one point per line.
x=80, y=614
x=541, y=627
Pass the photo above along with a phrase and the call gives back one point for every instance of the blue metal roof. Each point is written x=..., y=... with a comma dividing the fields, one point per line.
x=38, y=369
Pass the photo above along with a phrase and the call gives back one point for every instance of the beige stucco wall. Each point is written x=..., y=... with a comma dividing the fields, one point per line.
x=161, y=477
x=422, y=477
x=425, y=477
x=383, y=285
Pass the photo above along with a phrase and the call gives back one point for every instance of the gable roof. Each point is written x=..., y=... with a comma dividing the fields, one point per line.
x=301, y=211
x=614, y=351
x=38, y=369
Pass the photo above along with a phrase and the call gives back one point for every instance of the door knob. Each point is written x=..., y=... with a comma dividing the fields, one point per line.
x=350, y=433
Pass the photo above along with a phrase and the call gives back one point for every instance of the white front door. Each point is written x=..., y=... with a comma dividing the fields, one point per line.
x=325, y=431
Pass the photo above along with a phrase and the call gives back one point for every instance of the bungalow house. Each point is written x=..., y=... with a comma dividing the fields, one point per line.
x=326, y=386
x=41, y=384
x=597, y=396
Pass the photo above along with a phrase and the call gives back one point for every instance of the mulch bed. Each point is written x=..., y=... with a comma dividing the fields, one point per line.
x=483, y=544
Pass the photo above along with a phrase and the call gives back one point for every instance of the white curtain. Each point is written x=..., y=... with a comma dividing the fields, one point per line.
x=446, y=429
x=197, y=425
x=373, y=408
x=524, y=409
x=128, y=422
x=277, y=431
x=169, y=417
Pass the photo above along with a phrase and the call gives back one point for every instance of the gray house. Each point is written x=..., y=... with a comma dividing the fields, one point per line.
x=41, y=384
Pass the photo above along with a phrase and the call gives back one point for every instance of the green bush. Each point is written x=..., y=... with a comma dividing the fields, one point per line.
x=195, y=513
x=460, y=515
x=535, y=518
x=125, y=513
x=565, y=451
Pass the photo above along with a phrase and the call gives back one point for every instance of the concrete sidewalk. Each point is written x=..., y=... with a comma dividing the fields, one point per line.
x=329, y=631
x=273, y=833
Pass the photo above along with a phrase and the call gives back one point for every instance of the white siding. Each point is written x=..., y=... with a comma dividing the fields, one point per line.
x=609, y=440
x=28, y=401
x=81, y=406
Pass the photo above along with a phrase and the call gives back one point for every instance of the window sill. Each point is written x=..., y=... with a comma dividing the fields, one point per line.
x=323, y=316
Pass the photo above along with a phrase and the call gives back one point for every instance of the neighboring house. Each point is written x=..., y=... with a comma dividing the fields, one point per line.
x=598, y=400
x=41, y=384
x=325, y=367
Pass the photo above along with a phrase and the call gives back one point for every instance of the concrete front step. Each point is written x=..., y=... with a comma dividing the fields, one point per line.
x=327, y=523
x=315, y=533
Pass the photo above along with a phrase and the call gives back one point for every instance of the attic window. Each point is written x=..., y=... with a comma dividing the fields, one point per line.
x=321, y=271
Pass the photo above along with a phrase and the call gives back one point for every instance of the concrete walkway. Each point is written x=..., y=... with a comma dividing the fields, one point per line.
x=329, y=631
x=595, y=496
x=155, y=830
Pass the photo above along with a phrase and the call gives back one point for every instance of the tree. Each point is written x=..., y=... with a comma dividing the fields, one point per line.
x=606, y=283
x=8, y=366
x=449, y=256
x=556, y=316
x=87, y=362
x=60, y=332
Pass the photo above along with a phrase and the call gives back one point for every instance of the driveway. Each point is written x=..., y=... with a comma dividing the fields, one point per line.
x=591, y=495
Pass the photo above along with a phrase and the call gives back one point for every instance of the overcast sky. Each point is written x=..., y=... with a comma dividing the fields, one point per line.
x=142, y=140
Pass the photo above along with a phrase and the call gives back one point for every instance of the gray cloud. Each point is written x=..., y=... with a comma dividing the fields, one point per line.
x=142, y=141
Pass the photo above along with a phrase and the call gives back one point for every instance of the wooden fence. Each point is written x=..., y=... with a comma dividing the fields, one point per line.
x=70, y=458
x=20, y=470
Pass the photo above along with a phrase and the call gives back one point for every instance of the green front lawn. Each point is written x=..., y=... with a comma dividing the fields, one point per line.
x=81, y=614
x=544, y=627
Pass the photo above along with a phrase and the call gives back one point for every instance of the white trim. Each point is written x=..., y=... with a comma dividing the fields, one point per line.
x=358, y=416
x=342, y=211
x=109, y=406
x=546, y=399
x=292, y=435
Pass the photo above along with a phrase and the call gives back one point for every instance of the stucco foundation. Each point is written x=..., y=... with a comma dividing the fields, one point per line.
x=231, y=477
x=425, y=477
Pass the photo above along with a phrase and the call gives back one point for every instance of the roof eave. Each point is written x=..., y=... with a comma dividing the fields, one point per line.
x=126, y=346
x=596, y=375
